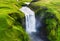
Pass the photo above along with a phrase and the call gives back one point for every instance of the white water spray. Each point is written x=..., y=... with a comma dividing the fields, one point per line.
x=30, y=19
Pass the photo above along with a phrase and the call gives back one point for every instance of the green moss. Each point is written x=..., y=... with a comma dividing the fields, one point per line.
x=51, y=11
x=11, y=17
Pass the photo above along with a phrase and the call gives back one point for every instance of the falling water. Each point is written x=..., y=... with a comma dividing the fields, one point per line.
x=30, y=19
x=30, y=23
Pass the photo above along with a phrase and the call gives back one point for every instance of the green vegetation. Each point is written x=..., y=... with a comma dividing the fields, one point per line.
x=50, y=9
x=11, y=28
x=11, y=19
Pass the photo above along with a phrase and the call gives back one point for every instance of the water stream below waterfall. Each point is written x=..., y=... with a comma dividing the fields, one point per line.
x=30, y=23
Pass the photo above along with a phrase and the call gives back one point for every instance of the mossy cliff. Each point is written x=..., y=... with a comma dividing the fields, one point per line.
x=49, y=11
x=11, y=18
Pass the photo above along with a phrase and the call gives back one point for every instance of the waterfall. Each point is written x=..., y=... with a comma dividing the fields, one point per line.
x=30, y=19
x=30, y=23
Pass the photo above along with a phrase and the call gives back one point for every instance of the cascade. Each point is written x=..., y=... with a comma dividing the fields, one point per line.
x=30, y=23
x=30, y=19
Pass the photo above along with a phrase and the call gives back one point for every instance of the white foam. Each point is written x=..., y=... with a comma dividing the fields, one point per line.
x=30, y=19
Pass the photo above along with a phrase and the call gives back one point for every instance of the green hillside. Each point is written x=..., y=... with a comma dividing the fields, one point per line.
x=50, y=9
x=11, y=28
x=11, y=18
